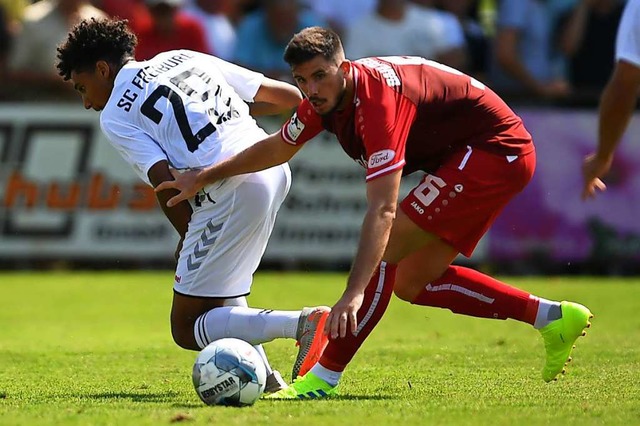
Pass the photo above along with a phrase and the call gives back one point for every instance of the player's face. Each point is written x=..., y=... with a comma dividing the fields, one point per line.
x=94, y=86
x=323, y=82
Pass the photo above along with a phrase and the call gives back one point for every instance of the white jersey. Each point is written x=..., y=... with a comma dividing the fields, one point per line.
x=628, y=39
x=181, y=106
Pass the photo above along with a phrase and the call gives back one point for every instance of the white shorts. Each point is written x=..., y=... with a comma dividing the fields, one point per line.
x=228, y=234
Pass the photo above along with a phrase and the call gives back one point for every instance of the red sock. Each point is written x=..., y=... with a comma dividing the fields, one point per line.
x=469, y=292
x=339, y=352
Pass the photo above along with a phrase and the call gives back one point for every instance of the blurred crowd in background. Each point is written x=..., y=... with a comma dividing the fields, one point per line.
x=557, y=52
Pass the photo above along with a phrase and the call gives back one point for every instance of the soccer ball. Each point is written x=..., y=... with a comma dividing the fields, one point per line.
x=229, y=372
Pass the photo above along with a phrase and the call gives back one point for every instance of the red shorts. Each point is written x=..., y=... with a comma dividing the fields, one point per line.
x=460, y=201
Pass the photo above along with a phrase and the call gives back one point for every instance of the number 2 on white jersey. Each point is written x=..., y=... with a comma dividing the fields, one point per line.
x=149, y=110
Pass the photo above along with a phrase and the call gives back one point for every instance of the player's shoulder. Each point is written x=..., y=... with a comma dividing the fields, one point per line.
x=180, y=55
x=375, y=74
x=377, y=66
x=112, y=114
x=127, y=75
x=366, y=69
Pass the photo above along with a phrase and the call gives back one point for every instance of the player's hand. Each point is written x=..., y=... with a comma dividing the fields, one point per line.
x=593, y=168
x=343, y=316
x=555, y=89
x=186, y=182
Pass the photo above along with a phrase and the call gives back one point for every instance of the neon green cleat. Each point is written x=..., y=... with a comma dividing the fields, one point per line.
x=560, y=335
x=308, y=386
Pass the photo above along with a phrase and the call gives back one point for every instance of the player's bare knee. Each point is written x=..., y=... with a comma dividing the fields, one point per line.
x=183, y=337
x=394, y=252
x=406, y=293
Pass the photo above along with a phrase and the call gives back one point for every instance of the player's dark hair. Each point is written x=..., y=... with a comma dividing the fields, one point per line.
x=311, y=42
x=94, y=40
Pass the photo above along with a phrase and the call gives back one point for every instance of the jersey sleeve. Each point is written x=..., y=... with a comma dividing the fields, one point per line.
x=303, y=125
x=136, y=147
x=628, y=38
x=244, y=81
x=383, y=121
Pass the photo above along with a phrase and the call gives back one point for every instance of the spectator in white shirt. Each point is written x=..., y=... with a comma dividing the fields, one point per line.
x=220, y=32
x=398, y=27
x=340, y=14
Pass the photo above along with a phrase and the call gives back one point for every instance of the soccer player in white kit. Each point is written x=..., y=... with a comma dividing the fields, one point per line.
x=618, y=100
x=185, y=110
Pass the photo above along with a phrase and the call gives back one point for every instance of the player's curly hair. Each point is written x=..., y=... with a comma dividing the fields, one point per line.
x=93, y=40
x=311, y=42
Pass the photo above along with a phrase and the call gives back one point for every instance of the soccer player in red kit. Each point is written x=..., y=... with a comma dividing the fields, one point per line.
x=395, y=116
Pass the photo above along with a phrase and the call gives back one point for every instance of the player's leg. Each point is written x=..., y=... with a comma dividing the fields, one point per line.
x=469, y=292
x=274, y=382
x=309, y=321
x=185, y=309
x=405, y=238
x=406, y=243
x=323, y=376
x=458, y=206
x=221, y=252
x=454, y=207
x=426, y=278
x=197, y=321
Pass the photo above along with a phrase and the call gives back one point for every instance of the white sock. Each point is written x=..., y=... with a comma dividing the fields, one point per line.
x=242, y=301
x=263, y=355
x=548, y=311
x=252, y=325
x=329, y=376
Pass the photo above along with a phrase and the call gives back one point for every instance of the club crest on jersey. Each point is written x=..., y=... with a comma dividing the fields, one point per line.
x=379, y=158
x=295, y=127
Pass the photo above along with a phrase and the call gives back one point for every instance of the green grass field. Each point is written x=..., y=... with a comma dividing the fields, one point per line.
x=94, y=348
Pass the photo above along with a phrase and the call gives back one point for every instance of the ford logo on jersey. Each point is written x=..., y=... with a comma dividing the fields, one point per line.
x=381, y=157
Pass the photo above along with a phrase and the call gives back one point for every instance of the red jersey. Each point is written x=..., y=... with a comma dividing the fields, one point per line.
x=411, y=113
x=188, y=34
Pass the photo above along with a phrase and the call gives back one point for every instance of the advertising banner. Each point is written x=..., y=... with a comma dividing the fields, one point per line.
x=65, y=193
x=548, y=221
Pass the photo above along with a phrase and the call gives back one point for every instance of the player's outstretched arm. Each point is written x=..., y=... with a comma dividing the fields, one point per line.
x=275, y=97
x=267, y=153
x=617, y=104
x=382, y=199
